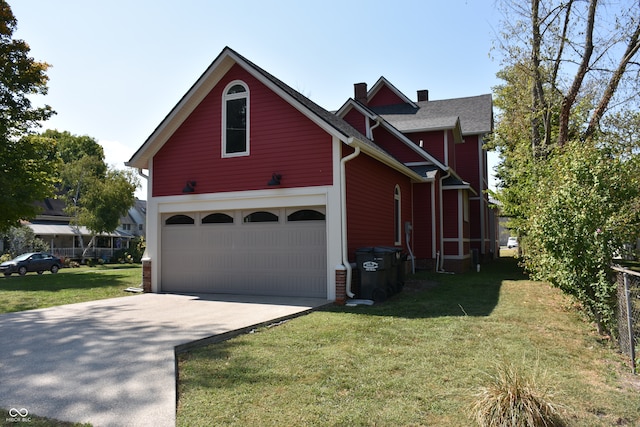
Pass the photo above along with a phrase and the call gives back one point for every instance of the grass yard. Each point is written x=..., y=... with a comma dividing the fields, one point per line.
x=415, y=360
x=70, y=285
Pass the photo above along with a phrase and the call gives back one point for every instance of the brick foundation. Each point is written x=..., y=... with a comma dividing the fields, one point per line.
x=146, y=275
x=341, y=286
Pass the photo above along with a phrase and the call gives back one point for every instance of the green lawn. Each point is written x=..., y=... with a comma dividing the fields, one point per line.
x=417, y=359
x=70, y=285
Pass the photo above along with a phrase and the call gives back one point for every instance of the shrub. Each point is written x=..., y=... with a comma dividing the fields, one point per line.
x=586, y=209
x=19, y=240
x=515, y=400
x=130, y=255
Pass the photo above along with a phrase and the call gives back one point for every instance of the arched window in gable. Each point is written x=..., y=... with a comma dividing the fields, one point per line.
x=235, y=120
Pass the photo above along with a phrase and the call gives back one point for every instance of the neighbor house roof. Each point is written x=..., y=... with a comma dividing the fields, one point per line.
x=68, y=230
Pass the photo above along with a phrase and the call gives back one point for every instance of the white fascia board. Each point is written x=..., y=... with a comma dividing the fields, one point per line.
x=256, y=199
x=423, y=153
x=459, y=187
x=456, y=129
x=178, y=114
x=395, y=132
x=382, y=80
x=350, y=104
x=386, y=159
x=292, y=101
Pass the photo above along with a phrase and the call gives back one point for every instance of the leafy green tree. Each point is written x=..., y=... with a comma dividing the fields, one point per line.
x=566, y=132
x=96, y=195
x=105, y=199
x=25, y=161
x=72, y=148
x=588, y=208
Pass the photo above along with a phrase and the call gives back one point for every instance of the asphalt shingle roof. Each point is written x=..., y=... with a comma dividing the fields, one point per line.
x=475, y=114
x=330, y=118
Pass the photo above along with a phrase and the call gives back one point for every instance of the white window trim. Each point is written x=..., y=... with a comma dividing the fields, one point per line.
x=225, y=98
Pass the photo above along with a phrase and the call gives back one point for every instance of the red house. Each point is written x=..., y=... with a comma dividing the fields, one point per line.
x=255, y=189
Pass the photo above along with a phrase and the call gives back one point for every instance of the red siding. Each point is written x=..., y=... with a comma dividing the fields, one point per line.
x=421, y=241
x=357, y=120
x=450, y=216
x=467, y=161
x=370, y=203
x=282, y=140
x=385, y=96
x=432, y=142
x=392, y=145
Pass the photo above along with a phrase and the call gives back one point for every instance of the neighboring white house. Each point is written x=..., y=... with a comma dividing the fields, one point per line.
x=53, y=226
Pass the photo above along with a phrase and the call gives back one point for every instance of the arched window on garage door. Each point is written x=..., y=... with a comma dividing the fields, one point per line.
x=179, y=220
x=261, y=216
x=217, y=218
x=306, y=215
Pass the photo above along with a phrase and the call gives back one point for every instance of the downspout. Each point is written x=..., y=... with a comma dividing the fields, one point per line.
x=441, y=261
x=142, y=174
x=343, y=219
x=370, y=130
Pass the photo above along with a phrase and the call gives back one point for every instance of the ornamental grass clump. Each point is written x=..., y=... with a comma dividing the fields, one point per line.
x=515, y=400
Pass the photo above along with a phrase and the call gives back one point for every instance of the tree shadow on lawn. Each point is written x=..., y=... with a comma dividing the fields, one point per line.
x=438, y=295
x=66, y=279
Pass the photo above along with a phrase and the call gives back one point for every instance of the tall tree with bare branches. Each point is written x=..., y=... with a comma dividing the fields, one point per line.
x=567, y=135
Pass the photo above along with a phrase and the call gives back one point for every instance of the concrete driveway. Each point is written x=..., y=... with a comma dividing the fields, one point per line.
x=112, y=362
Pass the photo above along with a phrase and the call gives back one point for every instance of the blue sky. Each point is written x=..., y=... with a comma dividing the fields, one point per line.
x=118, y=67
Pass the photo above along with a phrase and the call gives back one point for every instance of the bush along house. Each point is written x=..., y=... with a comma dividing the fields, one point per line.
x=255, y=189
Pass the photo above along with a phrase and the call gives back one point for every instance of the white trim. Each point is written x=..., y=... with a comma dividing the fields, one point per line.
x=481, y=191
x=457, y=257
x=434, y=243
x=230, y=97
x=460, y=222
x=378, y=84
x=334, y=221
x=446, y=148
x=394, y=131
x=233, y=200
x=397, y=215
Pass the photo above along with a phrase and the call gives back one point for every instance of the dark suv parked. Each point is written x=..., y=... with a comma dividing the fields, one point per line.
x=33, y=261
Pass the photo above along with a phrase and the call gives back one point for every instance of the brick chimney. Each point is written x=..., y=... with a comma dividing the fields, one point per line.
x=360, y=92
x=423, y=95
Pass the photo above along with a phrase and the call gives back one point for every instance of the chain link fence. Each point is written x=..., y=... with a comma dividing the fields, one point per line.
x=629, y=314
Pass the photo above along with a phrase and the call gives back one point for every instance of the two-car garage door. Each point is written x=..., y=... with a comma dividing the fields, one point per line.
x=256, y=252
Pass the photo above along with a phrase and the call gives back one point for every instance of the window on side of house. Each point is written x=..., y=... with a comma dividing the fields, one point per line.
x=397, y=215
x=235, y=120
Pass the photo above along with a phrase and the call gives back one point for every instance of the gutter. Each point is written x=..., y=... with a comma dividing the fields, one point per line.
x=343, y=219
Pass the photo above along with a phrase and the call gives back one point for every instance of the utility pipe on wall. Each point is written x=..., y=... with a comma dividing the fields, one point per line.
x=343, y=219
